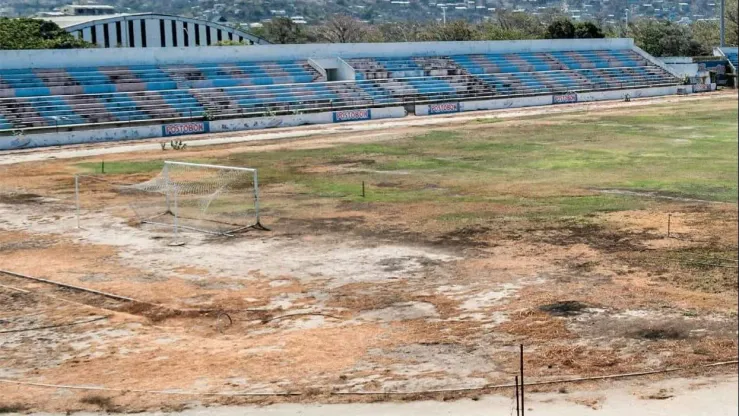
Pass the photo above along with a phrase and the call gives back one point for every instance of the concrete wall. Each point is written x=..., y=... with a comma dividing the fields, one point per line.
x=633, y=93
x=177, y=129
x=212, y=54
x=676, y=59
x=496, y=104
x=502, y=103
x=685, y=69
x=345, y=72
x=654, y=60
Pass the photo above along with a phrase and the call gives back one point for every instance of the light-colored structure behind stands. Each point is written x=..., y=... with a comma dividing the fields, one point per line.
x=147, y=30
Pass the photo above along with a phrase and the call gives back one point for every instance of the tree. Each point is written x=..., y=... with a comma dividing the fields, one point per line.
x=345, y=29
x=664, y=38
x=458, y=30
x=588, y=30
x=706, y=33
x=401, y=32
x=27, y=33
x=493, y=31
x=232, y=43
x=731, y=22
x=283, y=30
x=561, y=28
x=523, y=25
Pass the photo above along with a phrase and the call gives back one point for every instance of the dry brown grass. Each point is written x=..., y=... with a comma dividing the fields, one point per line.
x=536, y=326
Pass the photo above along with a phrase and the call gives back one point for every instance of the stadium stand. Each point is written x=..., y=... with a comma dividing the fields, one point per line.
x=732, y=57
x=150, y=93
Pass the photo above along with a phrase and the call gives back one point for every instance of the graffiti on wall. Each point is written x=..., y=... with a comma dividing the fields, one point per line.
x=702, y=87
x=180, y=129
x=714, y=66
x=19, y=141
x=352, y=115
x=444, y=108
x=568, y=98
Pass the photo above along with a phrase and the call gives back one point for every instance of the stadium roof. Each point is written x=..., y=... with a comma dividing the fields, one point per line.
x=81, y=22
x=65, y=21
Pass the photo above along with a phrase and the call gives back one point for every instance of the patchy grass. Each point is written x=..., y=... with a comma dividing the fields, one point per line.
x=12, y=408
x=706, y=269
x=103, y=402
x=121, y=167
x=541, y=170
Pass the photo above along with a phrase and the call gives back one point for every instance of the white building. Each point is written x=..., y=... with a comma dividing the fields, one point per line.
x=104, y=27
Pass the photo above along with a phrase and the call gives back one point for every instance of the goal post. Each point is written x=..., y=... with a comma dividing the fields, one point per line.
x=209, y=198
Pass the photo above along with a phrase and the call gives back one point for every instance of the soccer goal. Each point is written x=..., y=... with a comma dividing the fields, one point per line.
x=193, y=196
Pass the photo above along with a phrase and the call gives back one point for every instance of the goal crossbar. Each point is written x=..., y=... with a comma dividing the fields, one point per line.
x=202, y=165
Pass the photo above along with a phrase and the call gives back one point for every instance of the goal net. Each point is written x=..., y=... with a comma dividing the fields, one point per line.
x=199, y=197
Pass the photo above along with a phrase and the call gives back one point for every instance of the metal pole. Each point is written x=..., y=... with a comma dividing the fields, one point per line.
x=516, y=386
x=77, y=198
x=174, y=195
x=722, y=23
x=256, y=198
x=167, y=185
x=521, y=374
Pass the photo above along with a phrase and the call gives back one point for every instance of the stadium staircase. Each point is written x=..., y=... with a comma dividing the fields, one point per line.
x=732, y=57
x=127, y=94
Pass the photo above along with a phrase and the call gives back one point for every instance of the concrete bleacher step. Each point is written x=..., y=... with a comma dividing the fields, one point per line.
x=90, y=108
x=215, y=99
x=153, y=104
x=55, y=78
x=21, y=114
x=350, y=93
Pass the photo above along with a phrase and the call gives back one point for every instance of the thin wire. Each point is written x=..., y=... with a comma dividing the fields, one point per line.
x=367, y=393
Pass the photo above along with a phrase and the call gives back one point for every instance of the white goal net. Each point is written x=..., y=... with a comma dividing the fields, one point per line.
x=199, y=197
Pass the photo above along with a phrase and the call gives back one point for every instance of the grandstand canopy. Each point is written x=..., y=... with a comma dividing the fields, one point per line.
x=149, y=30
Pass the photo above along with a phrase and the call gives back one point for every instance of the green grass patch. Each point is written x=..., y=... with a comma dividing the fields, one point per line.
x=122, y=167
x=538, y=169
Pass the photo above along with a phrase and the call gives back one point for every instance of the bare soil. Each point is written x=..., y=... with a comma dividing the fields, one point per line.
x=345, y=297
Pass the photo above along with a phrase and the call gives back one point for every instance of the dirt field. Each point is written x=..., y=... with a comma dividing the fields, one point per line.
x=473, y=237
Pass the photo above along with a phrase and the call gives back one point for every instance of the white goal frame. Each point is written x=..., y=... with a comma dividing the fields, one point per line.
x=171, y=199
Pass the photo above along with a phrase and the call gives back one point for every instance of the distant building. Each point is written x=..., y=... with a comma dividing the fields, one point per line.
x=103, y=26
x=88, y=10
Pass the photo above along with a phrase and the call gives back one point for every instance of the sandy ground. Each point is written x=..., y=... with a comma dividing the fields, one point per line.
x=690, y=397
x=342, y=298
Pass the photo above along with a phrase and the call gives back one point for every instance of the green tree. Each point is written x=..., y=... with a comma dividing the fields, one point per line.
x=706, y=33
x=731, y=22
x=588, y=30
x=283, y=30
x=401, y=32
x=561, y=28
x=342, y=28
x=519, y=24
x=27, y=33
x=458, y=30
x=232, y=43
x=664, y=38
